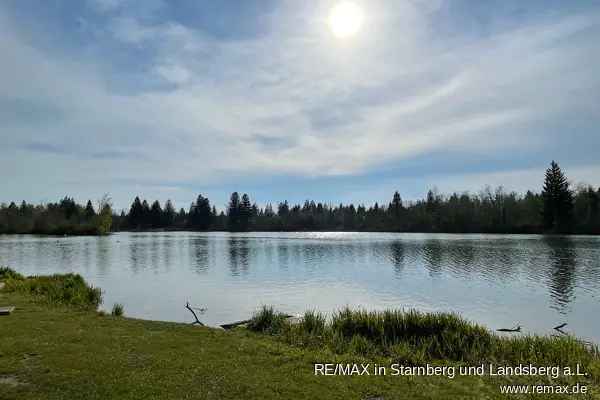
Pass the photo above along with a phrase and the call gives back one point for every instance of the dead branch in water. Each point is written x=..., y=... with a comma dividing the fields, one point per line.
x=197, y=321
x=558, y=328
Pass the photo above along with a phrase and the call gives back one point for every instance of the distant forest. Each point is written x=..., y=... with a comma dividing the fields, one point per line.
x=557, y=209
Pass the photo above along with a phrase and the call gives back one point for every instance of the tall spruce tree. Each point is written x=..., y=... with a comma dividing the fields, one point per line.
x=136, y=214
x=558, y=201
x=156, y=215
x=233, y=212
x=89, y=212
x=245, y=213
x=200, y=216
x=169, y=214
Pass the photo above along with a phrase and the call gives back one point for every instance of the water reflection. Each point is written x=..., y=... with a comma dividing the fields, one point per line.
x=562, y=271
x=239, y=255
x=397, y=257
x=432, y=256
x=200, y=254
x=487, y=277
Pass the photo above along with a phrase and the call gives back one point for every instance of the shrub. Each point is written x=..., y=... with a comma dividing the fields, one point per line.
x=67, y=289
x=117, y=310
x=7, y=273
x=267, y=320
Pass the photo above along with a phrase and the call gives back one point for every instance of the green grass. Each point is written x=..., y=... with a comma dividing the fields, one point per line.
x=414, y=337
x=65, y=351
x=67, y=289
x=267, y=320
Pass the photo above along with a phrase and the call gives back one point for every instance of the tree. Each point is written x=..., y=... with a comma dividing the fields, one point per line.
x=145, y=217
x=200, y=216
x=156, y=215
x=245, y=213
x=89, y=212
x=557, y=209
x=136, y=214
x=104, y=217
x=233, y=212
x=169, y=214
x=396, y=209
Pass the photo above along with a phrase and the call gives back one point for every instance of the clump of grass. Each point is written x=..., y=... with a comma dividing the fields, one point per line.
x=267, y=320
x=67, y=289
x=117, y=310
x=313, y=323
x=414, y=337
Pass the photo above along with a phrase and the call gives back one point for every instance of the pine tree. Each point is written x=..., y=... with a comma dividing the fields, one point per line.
x=89, y=212
x=200, y=216
x=245, y=213
x=558, y=201
x=233, y=212
x=156, y=215
x=146, y=218
x=136, y=214
x=169, y=214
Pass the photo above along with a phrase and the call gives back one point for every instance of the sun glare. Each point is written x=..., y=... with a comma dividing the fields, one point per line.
x=345, y=19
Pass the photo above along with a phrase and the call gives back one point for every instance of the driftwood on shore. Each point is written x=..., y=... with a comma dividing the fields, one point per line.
x=517, y=329
x=234, y=324
x=197, y=321
x=290, y=318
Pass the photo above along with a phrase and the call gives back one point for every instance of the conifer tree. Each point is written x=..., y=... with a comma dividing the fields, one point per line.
x=558, y=201
x=89, y=212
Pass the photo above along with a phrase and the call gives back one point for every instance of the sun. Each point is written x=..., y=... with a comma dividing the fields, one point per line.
x=345, y=19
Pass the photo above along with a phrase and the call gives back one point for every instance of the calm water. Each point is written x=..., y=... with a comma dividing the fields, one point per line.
x=497, y=280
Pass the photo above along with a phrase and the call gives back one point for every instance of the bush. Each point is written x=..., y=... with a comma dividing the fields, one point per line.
x=117, y=310
x=267, y=320
x=67, y=289
x=7, y=273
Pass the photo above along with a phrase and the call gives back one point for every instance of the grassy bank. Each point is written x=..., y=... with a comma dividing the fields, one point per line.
x=413, y=337
x=63, y=349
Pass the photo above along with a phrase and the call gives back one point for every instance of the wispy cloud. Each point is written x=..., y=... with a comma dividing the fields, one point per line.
x=292, y=100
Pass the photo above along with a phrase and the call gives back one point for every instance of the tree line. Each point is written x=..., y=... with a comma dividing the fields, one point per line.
x=557, y=209
x=65, y=217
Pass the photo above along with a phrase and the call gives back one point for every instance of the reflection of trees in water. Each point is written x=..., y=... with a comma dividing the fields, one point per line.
x=562, y=271
x=103, y=247
x=167, y=253
x=433, y=256
x=199, y=253
x=239, y=255
x=283, y=255
x=155, y=252
x=397, y=256
x=137, y=254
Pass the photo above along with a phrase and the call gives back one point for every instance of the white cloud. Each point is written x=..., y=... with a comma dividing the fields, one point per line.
x=332, y=109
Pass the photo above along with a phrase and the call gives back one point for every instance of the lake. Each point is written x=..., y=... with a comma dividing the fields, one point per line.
x=496, y=280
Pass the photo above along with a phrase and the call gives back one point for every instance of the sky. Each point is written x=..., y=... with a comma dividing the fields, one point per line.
x=170, y=99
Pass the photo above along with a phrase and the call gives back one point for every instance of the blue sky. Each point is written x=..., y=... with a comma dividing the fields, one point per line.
x=169, y=99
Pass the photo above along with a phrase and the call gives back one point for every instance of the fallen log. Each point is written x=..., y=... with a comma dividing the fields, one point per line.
x=517, y=329
x=234, y=324
x=290, y=318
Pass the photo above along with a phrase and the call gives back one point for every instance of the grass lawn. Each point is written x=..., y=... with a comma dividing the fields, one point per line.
x=60, y=352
